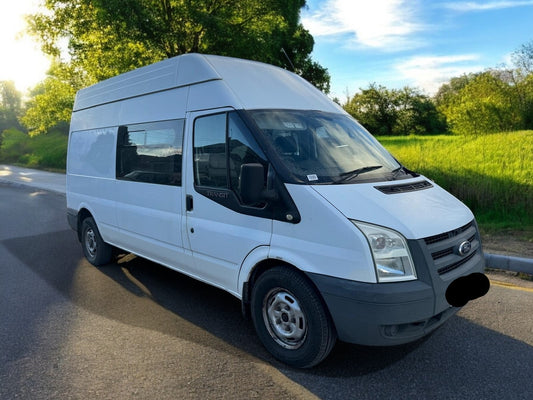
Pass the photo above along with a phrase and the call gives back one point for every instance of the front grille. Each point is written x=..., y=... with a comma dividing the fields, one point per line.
x=447, y=235
x=444, y=247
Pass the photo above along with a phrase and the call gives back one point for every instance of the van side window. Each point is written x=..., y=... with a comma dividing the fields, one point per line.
x=151, y=153
x=210, y=163
x=222, y=144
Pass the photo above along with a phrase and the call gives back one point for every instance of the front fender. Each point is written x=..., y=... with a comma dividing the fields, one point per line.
x=252, y=259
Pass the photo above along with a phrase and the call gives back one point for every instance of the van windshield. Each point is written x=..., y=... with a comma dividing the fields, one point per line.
x=319, y=147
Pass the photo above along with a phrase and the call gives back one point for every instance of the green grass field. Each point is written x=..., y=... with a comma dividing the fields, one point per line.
x=492, y=174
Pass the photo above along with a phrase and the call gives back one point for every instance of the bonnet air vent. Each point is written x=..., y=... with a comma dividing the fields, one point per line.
x=407, y=187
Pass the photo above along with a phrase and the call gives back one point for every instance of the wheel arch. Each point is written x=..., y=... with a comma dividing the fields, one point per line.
x=83, y=214
x=296, y=337
x=261, y=267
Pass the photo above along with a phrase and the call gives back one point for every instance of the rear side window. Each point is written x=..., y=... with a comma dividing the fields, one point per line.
x=151, y=153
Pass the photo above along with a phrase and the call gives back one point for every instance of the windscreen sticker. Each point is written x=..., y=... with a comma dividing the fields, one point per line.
x=312, y=177
x=293, y=125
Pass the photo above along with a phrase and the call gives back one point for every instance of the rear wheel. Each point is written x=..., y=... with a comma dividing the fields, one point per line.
x=95, y=249
x=291, y=319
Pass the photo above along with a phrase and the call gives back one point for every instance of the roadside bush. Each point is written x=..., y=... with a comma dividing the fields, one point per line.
x=43, y=151
x=15, y=144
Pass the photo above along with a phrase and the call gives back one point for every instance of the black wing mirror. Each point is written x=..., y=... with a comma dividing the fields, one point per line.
x=252, y=182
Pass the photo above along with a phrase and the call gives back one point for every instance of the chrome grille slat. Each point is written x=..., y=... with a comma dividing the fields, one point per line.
x=456, y=265
x=447, y=235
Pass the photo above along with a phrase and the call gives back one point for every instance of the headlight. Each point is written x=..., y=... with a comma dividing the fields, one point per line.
x=391, y=254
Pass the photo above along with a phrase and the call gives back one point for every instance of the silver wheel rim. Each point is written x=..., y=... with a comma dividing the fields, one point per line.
x=284, y=319
x=90, y=242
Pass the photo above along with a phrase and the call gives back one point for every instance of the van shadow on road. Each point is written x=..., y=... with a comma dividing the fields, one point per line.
x=128, y=289
x=459, y=360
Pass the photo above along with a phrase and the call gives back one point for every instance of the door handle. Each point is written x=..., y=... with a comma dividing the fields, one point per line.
x=189, y=202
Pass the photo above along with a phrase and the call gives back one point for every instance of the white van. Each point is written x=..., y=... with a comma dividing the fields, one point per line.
x=245, y=176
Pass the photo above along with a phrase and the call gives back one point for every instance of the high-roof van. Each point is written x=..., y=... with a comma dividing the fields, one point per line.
x=245, y=176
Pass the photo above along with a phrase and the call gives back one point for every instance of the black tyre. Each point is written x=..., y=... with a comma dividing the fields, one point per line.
x=95, y=249
x=291, y=319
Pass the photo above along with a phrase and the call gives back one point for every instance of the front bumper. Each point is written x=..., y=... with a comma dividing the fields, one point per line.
x=380, y=314
x=384, y=314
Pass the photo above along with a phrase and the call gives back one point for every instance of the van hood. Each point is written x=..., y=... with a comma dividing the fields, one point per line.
x=415, y=213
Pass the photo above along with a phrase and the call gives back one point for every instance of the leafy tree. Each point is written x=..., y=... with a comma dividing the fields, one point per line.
x=525, y=88
x=10, y=97
x=499, y=99
x=485, y=104
x=108, y=37
x=10, y=107
x=52, y=100
x=448, y=91
x=523, y=81
x=396, y=112
x=376, y=108
x=523, y=59
x=417, y=114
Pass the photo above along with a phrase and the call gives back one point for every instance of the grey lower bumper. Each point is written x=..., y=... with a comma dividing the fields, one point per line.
x=380, y=314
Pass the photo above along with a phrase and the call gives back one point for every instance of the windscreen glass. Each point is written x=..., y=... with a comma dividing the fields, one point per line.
x=318, y=147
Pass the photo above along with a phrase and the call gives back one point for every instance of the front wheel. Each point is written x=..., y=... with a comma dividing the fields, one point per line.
x=291, y=319
x=95, y=249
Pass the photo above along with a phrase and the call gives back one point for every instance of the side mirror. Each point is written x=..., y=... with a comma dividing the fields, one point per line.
x=252, y=182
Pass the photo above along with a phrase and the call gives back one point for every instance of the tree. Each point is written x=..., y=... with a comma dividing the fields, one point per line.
x=396, y=112
x=376, y=108
x=523, y=81
x=109, y=37
x=417, y=114
x=51, y=100
x=484, y=104
x=448, y=91
x=523, y=59
x=10, y=107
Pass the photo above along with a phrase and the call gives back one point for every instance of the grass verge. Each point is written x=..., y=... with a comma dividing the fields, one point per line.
x=492, y=174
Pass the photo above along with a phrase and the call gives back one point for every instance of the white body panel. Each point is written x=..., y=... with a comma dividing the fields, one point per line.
x=324, y=242
x=211, y=242
x=220, y=238
x=415, y=214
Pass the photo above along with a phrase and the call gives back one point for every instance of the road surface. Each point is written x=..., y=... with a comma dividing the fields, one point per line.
x=134, y=329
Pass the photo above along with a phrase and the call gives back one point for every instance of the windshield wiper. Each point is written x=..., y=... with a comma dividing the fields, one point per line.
x=396, y=172
x=346, y=176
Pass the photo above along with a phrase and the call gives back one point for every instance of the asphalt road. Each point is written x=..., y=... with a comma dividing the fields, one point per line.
x=137, y=330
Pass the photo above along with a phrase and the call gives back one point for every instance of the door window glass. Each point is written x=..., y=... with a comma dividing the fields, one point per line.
x=210, y=163
x=242, y=150
x=222, y=144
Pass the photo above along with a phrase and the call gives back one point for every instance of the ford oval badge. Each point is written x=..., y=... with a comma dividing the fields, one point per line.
x=465, y=247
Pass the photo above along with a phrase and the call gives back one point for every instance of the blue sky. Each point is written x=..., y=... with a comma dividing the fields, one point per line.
x=413, y=42
x=391, y=42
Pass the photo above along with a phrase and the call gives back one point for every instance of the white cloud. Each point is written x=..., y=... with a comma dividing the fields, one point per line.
x=387, y=24
x=430, y=72
x=465, y=6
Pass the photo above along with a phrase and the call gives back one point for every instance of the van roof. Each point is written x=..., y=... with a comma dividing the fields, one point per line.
x=254, y=84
